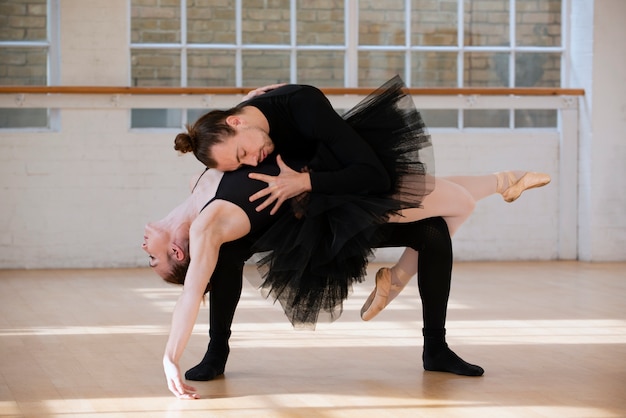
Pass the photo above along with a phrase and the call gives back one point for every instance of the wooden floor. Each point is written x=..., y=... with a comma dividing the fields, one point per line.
x=550, y=335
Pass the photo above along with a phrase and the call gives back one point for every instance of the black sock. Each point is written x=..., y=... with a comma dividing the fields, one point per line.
x=212, y=365
x=438, y=357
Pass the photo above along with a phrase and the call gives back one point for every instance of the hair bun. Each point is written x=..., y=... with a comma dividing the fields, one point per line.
x=183, y=143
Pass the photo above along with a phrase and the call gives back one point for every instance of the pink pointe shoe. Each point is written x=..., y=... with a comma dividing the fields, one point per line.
x=515, y=186
x=383, y=293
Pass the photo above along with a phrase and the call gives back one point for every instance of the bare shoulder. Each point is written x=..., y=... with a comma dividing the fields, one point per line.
x=221, y=220
x=206, y=178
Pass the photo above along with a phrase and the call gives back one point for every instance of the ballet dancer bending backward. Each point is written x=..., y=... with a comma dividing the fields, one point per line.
x=370, y=167
x=222, y=232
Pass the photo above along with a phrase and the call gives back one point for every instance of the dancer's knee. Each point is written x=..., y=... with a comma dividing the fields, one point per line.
x=438, y=236
x=466, y=204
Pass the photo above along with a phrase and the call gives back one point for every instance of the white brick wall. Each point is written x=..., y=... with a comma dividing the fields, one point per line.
x=80, y=198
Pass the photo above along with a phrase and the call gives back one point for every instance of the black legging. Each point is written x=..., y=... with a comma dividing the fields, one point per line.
x=430, y=237
x=226, y=285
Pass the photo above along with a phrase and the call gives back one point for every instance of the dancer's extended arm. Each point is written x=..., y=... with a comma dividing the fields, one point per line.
x=219, y=222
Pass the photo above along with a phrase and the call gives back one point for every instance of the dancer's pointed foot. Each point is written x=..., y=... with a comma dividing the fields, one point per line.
x=379, y=297
x=511, y=187
x=446, y=360
x=387, y=277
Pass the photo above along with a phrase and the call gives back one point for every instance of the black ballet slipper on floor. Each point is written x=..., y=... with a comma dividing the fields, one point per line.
x=212, y=366
x=203, y=372
x=446, y=360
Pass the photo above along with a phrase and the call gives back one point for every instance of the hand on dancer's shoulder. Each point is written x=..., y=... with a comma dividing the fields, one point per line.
x=261, y=90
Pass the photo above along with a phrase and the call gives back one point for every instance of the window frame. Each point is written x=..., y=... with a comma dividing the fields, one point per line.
x=352, y=48
x=53, y=62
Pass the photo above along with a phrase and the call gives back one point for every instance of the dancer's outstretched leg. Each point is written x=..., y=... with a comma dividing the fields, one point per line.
x=226, y=285
x=510, y=184
x=454, y=198
x=453, y=202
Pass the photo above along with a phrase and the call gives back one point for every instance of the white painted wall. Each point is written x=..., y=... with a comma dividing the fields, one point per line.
x=80, y=197
x=599, y=66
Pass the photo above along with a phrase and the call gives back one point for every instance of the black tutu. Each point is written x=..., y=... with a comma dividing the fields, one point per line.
x=322, y=246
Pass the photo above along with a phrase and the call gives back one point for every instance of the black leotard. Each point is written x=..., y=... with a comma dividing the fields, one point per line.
x=236, y=187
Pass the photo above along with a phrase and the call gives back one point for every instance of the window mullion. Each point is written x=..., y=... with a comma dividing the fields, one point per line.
x=183, y=54
x=183, y=43
x=408, y=62
x=351, y=10
x=512, y=55
x=238, y=40
x=512, y=43
x=54, y=27
x=461, y=55
x=293, y=59
x=565, y=39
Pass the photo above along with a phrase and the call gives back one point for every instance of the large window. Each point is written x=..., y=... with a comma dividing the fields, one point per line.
x=25, y=55
x=335, y=43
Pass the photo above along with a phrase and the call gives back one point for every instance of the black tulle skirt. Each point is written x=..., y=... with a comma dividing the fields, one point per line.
x=322, y=246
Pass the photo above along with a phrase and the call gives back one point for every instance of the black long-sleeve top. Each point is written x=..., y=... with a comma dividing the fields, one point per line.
x=303, y=124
